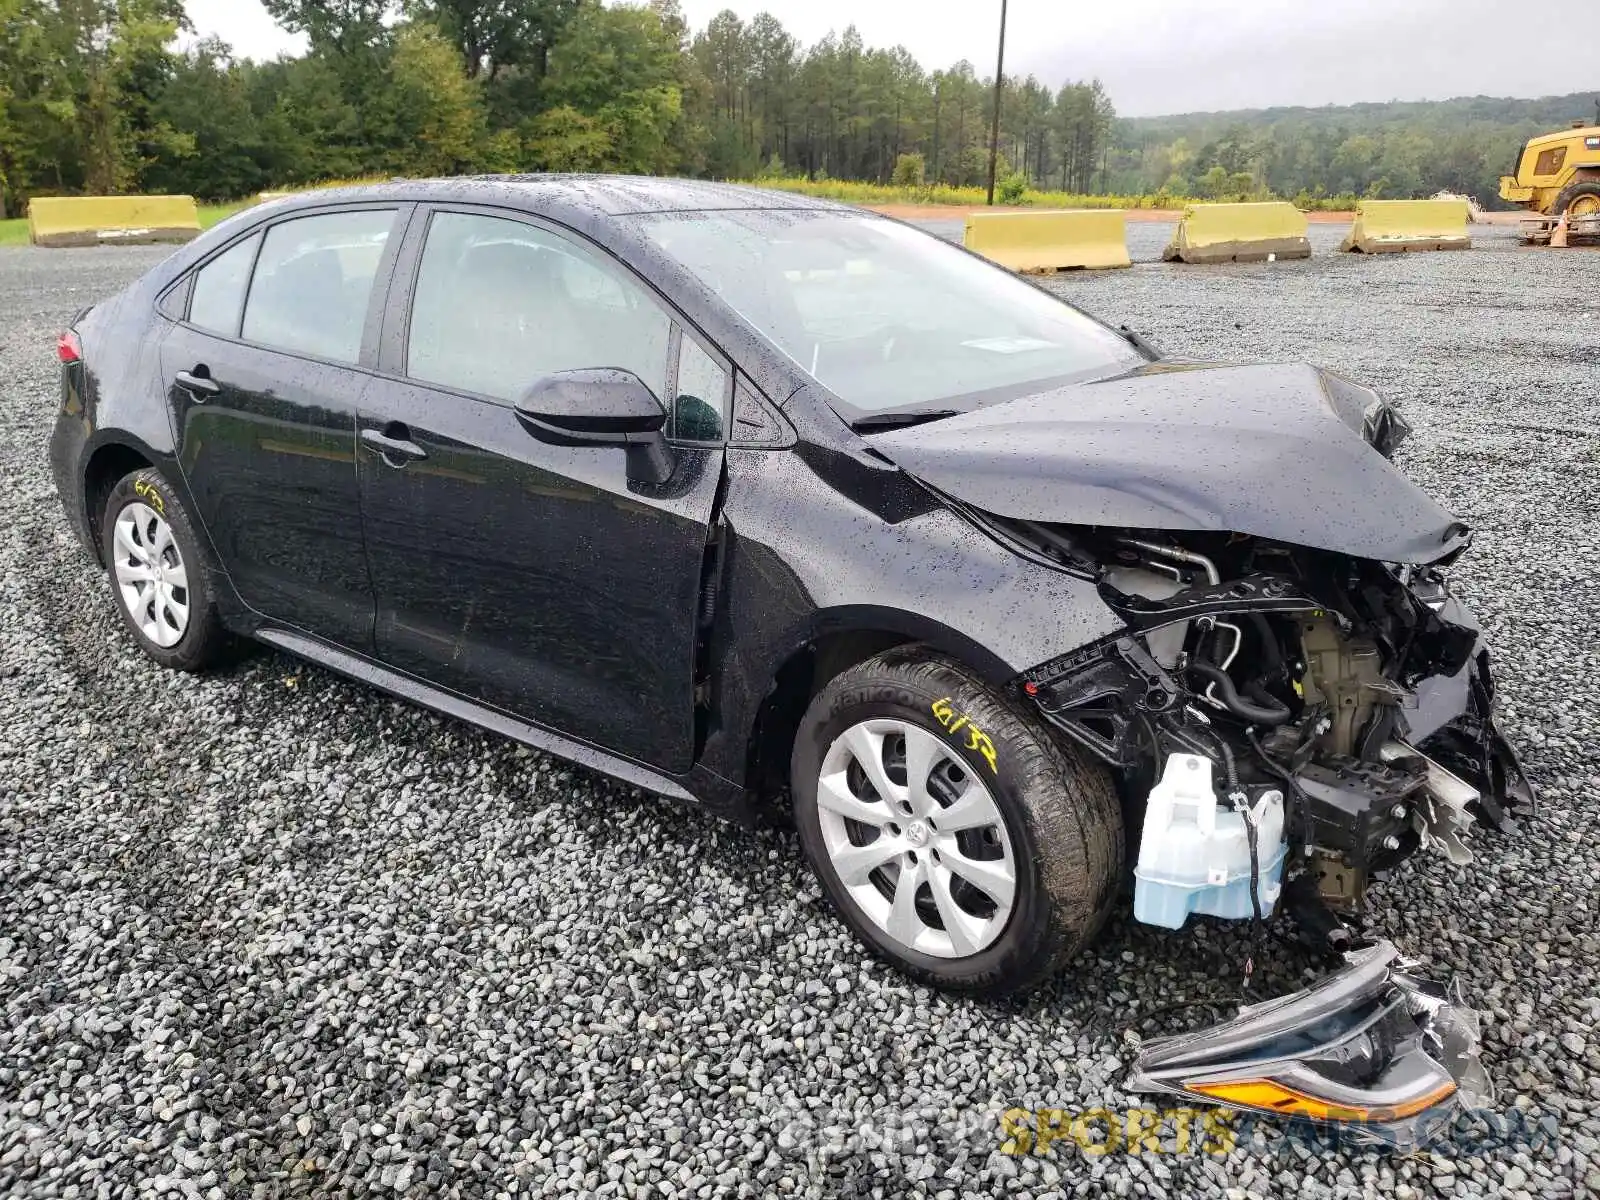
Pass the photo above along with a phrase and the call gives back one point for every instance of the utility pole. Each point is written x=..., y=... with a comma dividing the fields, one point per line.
x=999, y=86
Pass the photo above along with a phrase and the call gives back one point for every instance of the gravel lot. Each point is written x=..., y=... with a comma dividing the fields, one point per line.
x=266, y=932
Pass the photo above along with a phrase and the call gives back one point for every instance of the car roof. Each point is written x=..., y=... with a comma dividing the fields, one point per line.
x=572, y=195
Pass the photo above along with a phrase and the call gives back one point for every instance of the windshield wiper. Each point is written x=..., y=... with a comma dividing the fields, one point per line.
x=1137, y=341
x=899, y=420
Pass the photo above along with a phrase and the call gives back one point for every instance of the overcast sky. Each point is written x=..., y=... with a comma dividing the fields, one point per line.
x=1164, y=56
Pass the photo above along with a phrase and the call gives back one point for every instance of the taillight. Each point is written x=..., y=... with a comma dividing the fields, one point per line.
x=68, y=348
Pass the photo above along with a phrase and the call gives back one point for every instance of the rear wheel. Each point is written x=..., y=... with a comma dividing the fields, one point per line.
x=955, y=836
x=159, y=575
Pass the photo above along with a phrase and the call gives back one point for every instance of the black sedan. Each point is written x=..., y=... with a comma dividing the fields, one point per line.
x=776, y=504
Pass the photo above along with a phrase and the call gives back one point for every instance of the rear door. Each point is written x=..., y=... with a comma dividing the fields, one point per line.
x=263, y=375
x=533, y=577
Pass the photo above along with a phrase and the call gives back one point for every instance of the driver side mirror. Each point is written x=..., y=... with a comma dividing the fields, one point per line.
x=601, y=407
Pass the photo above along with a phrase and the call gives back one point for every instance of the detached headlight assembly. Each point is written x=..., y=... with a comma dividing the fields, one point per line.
x=1371, y=1047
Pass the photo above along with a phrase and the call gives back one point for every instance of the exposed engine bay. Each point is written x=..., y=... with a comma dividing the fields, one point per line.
x=1293, y=705
x=1290, y=723
x=1342, y=701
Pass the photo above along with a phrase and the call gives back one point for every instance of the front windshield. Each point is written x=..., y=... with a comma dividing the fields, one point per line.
x=885, y=317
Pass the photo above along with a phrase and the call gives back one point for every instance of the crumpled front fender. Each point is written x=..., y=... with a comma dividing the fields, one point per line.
x=1452, y=721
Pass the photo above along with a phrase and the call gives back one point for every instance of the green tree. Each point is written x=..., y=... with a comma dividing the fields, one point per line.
x=621, y=66
x=492, y=35
x=563, y=139
x=349, y=27
x=315, y=132
x=1213, y=185
x=908, y=171
x=80, y=81
x=206, y=103
x=428, y=115
x=25, y=102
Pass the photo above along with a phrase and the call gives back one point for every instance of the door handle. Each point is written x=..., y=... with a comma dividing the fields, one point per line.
x=394, y=444
x=198, y=383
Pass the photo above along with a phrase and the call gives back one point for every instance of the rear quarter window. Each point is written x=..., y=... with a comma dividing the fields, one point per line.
x=700, y=403
x=217, y=301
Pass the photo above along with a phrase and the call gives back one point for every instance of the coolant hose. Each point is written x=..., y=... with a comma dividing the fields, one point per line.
x=1269, y=645
x=1269, y=712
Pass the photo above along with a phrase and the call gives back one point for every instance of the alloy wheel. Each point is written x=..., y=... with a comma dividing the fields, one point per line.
x=916, y=838
x=152, y=580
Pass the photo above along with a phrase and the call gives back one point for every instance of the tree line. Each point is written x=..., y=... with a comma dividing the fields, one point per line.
x=103, y=96
x=1395, y=150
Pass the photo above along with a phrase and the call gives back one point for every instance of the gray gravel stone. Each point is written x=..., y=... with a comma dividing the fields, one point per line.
x=266, y=932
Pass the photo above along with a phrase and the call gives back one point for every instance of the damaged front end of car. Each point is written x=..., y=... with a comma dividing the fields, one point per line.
x=1294, y=702
x=1297, y=722
x=1354, y=692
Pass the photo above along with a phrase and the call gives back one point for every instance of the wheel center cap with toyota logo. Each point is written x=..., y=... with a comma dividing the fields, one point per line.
x=917, y=833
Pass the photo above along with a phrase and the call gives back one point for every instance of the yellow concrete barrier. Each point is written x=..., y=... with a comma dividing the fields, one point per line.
x=1068, y=240
x=1394, y=226
x=92, y=220
x=1212, y=233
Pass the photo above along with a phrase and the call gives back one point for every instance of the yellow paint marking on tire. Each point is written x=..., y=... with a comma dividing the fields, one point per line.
x=151, y=495
x=977, y=740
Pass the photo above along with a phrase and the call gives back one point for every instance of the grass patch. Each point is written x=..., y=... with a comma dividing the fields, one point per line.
x=941, y=194
x=211, y=214
x=15, y=232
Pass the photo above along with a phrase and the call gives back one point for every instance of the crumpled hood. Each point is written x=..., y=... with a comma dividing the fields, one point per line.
x=1277, y=451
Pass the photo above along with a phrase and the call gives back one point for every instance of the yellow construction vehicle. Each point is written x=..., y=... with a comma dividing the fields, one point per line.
x=1558, y=178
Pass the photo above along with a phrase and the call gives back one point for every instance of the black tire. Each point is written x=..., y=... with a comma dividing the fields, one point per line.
x=204, y=642
x=1060, y=810
x=1582, y=189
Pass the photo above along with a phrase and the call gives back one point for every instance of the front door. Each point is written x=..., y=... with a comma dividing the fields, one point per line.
x=263, y=380
x=533, y=577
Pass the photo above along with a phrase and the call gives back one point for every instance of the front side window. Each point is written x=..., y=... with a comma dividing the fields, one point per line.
x=219, y=288
x=313, y=283
x=886, y=317
x=500, y=304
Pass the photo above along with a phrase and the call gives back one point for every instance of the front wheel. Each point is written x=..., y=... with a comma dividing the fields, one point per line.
x=955, y=835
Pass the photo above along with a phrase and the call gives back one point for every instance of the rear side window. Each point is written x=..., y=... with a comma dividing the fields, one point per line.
x=219, y=288
x=313, y=283
x=499, y=305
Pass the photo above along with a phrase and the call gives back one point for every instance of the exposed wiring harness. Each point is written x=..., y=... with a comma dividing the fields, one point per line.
x=1276, y=768
x=1241, y=805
